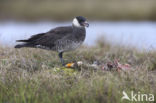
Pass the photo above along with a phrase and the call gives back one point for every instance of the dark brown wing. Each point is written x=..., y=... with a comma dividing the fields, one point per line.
x=49, y=39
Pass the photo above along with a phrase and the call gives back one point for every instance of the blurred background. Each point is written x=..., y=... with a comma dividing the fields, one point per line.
x=123, y=22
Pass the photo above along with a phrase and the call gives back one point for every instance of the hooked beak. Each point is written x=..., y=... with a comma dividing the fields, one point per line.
x=86, y=24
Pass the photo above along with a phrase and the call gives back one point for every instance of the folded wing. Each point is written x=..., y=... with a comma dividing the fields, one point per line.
x=46, y=39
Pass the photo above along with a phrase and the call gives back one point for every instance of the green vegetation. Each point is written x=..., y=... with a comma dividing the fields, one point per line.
x=67, y=9
x=28, y=75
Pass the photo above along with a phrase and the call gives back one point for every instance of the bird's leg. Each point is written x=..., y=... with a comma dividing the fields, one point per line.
x=61, y=58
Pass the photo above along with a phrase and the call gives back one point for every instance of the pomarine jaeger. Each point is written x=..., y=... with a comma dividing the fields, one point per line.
x=60, y=39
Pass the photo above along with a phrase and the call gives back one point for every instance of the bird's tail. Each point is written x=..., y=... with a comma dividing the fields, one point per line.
x=26, y=44
x=20, y=45
x=22, y=40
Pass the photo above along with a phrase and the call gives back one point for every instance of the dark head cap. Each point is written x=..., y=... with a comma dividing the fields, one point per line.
x=80, y=21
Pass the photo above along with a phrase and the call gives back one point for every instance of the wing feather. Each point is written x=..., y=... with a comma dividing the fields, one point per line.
x=51, y=37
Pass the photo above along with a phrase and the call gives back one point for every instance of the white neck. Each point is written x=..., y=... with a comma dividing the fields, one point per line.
x=76, y=23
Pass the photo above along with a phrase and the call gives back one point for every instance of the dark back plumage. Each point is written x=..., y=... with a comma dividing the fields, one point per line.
x=55, y=39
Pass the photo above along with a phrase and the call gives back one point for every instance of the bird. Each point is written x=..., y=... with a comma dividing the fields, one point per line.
x=60, y=39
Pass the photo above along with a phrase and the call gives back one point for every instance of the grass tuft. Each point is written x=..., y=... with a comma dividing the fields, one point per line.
x=28, y=76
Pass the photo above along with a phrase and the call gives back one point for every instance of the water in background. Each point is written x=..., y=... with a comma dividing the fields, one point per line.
x=138, y=34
